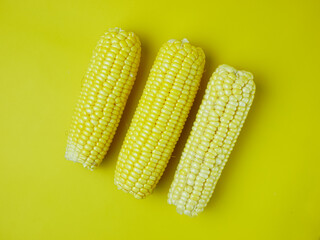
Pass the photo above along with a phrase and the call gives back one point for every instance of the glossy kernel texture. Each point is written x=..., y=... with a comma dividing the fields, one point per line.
x=159, y=118
x=104, y=92
x=221, y=115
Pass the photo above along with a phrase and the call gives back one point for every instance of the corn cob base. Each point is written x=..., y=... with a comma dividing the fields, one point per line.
x=221, y=115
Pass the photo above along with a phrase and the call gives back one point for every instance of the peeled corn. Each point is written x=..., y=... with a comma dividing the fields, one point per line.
x=159, y=118
x=223, y=110
x=104, y=92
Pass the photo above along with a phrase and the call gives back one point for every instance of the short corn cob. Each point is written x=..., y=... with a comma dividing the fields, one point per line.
x=223, y=110
x=104, y=92
x=159, y=118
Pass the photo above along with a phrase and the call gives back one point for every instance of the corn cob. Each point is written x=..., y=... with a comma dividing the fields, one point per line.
x=159, y=118
x=104, y=92
x=221, y=115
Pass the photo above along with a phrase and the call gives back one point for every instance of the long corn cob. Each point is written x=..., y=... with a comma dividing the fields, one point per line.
x=223, y=110
x=104, y=92
x=159, y=118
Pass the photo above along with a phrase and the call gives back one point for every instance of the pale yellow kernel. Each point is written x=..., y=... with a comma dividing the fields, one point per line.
x=132, y=179
x=142, y=181
x=138, y=185
x=137, y=170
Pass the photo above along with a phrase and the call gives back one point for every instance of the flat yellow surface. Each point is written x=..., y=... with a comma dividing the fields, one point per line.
x=270, y=186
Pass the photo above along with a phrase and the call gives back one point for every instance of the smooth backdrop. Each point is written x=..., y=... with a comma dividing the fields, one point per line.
x=270, y=186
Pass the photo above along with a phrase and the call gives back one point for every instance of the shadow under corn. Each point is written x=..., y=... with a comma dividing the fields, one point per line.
x=167, y=177
x=236, y=155
x=132, y=102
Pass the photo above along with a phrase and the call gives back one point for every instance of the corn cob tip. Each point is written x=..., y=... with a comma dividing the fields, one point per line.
x=185, y=44
x=227, y=68
x=124, y=188
x=172, y=40
x=70, y=155
x=184, y=40
x=230, y=69
x=115, y=29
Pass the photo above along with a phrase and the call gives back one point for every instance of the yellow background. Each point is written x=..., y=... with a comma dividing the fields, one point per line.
x=270, y=186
